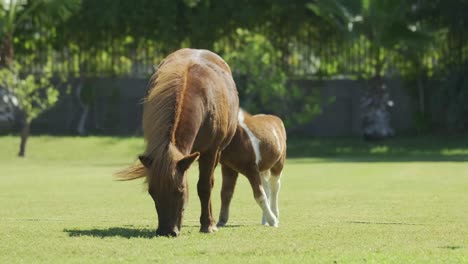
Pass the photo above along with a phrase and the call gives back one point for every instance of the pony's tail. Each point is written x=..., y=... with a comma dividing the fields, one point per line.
x=131, y=173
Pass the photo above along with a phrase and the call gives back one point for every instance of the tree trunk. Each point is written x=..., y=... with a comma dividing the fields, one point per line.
x=376, y=115
x=81, y=129
x=422, y=96
x=24, y=137
x=6, y=51
x=82, y=123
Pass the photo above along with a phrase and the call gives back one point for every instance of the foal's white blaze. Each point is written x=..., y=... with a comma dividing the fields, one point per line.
x=253, y=139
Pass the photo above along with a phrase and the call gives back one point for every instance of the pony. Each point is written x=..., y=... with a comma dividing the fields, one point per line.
x=189, y=113
x=258, y=150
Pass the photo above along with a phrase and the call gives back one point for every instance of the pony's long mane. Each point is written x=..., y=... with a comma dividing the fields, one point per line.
x=162, y=108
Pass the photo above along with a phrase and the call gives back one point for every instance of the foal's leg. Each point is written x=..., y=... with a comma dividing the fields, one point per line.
x=229, y=183
x=264, y=176
x=207, y=164
x=261, y=198
x=275, y=184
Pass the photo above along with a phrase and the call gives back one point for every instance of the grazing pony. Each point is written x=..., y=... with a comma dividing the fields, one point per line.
x=190, y=112
x=258, y=150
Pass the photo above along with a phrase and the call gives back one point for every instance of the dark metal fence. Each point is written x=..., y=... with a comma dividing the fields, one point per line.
x=302, y=59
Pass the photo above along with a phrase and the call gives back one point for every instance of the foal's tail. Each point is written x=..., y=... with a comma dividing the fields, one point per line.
x=131, y=173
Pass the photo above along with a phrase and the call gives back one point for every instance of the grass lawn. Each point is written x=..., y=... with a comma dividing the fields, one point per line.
x=342, y=201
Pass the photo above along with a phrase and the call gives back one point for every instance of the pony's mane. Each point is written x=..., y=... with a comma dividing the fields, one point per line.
x=160, y=117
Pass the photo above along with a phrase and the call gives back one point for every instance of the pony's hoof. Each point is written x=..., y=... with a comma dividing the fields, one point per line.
x=221, y=224
x=208, y=229
x=272, y=224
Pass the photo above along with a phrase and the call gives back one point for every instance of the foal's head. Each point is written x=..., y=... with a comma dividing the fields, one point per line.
x=168, y=187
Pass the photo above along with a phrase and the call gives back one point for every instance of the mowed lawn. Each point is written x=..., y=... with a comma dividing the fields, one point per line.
x=342, y=201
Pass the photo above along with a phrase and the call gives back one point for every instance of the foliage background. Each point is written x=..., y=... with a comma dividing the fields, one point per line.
x=268, y=43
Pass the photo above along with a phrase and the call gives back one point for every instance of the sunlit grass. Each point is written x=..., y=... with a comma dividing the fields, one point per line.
x=377, y=203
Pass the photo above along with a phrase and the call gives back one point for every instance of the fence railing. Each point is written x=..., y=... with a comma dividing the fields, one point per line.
x=331, y=60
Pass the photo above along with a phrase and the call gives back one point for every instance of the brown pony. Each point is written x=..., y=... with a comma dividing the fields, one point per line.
x=190, y=112
x=258, y=148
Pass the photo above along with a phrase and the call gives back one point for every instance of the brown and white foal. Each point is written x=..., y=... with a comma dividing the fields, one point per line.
x=258, y=150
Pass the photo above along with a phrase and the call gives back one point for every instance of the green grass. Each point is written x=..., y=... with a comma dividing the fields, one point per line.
x=343, y=201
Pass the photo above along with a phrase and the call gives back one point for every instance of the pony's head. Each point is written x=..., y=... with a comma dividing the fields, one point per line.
x=167, y=185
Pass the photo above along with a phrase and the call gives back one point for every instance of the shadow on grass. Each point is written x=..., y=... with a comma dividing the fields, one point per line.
x=126, y=232
x=451, y=247
x=380, y=223
x=404, y=149
x=113, y=232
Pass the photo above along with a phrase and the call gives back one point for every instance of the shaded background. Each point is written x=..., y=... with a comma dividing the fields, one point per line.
x=313, y=63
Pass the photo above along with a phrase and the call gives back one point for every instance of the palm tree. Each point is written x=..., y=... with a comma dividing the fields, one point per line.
x=386, y=26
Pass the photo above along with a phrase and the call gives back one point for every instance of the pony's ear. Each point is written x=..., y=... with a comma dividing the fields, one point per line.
x=185, y=162
x=145, y=160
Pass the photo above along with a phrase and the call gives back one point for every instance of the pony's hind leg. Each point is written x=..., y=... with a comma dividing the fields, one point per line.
x=264, y=176
x=229, y=183
x=261, y=198
x=207, y=164
x=275, y=185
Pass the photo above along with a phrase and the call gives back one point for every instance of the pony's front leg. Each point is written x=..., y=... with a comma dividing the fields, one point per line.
x=229, y=183
x=261, y=198
x=207, y=165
